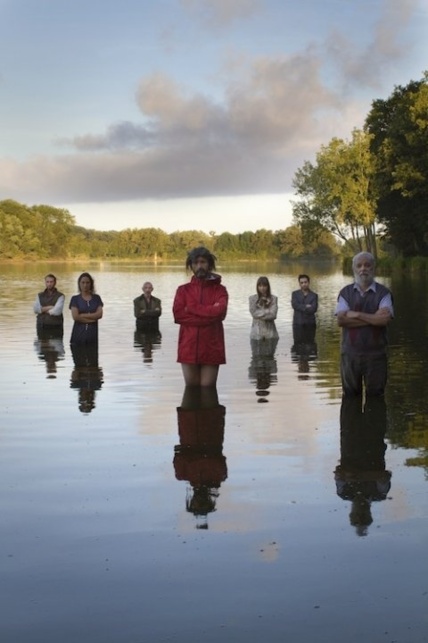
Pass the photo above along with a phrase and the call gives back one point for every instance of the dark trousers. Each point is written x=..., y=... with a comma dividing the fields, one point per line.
x=49, y=332
x=370, y=370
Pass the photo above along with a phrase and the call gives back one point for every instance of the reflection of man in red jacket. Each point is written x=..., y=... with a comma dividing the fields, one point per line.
x=200, y=307
x=199, y=457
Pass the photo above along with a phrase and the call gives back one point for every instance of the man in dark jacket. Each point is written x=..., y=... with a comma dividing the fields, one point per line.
x=305, y=304
x=364, y=309
x=200, y=307
x=147, y=310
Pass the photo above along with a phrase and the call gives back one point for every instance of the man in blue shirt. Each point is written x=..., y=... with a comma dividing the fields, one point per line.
x=364, y=309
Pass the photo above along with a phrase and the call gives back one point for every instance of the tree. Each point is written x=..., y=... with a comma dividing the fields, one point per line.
x=290, y=242
x=263, y=243
x=19, y=231
x=246, y=242
x=337, y=192
x=398, y=128
x=182, y=242
x=227, y=244
x=55, y=229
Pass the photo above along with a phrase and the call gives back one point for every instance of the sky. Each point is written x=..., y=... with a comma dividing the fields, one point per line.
x=189, y=114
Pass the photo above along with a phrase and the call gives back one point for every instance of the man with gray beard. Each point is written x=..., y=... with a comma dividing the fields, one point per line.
x=364, y=309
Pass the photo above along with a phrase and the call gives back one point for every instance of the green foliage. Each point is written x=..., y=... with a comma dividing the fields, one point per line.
x=44, y=232
x=399, y=144
x=336, y=193
x=39, y=231
x=373, y=188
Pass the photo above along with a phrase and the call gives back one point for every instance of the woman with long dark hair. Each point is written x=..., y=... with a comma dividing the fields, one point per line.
x=264, y=309
x=86, y=309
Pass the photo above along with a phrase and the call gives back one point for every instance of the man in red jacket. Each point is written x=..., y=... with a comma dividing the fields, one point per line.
x=200, y=307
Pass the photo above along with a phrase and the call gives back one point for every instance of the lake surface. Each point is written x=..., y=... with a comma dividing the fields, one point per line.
x=114, y=531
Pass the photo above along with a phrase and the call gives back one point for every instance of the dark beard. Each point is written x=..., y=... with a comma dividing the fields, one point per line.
x=201, y=273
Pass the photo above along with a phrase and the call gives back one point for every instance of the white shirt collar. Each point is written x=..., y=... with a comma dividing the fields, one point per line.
x=371, y=287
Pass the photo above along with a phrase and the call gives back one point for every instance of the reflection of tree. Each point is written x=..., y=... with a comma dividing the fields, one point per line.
x=361, y=476
x=50, y=350
x=199, y=457
x=407, y=390
x=148, y=342
x=263, y=367
x=87, y=376
x=304, y=349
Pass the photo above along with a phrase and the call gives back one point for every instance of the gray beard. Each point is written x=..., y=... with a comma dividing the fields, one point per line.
x=364, y=280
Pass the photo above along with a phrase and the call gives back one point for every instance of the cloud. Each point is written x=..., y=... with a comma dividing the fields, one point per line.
x=118, y=136
x=275, y=113
x=364, y=68
x=276, y=110
x=221, y=13
x=190, y=145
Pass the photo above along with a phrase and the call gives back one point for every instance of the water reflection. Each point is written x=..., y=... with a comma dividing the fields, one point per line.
x=50, y=349
x=361, y=475
x=199, y=458
x=304, y=349
x=263, y=368
x=147, y=342
x=87, y=376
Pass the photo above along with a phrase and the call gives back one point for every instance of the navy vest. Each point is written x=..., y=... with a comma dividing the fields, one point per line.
x=366, y=339
x=47, y=299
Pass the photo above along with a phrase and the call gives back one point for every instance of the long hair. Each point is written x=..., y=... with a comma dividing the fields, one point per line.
x=201, y=252
x=86, y=274
x=263, y=281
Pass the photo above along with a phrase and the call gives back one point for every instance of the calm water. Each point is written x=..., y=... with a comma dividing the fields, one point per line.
x=107, y=536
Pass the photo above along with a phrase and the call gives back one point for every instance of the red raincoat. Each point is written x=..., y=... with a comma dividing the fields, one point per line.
x=199, y=459
x=200, y=307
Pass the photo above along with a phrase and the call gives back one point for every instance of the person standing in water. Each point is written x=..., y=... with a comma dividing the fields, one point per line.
x=264, y=309
x=364, y=310
x=86, y=309
x=48, y=307
x=305, y=304
x=200, y=307
x=147, y=310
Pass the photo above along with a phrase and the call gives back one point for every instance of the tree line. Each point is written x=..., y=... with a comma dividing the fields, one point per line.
x=45, y=232
x=371, y=191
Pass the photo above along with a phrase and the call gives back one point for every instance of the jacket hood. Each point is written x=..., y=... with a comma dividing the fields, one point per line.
x=213, y=278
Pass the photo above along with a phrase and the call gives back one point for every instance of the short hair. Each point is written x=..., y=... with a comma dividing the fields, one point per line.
x=86, y=274
x=263, y=281
x=200, y=251
x=303, y=277
x=50, y=276
x=363, y=255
